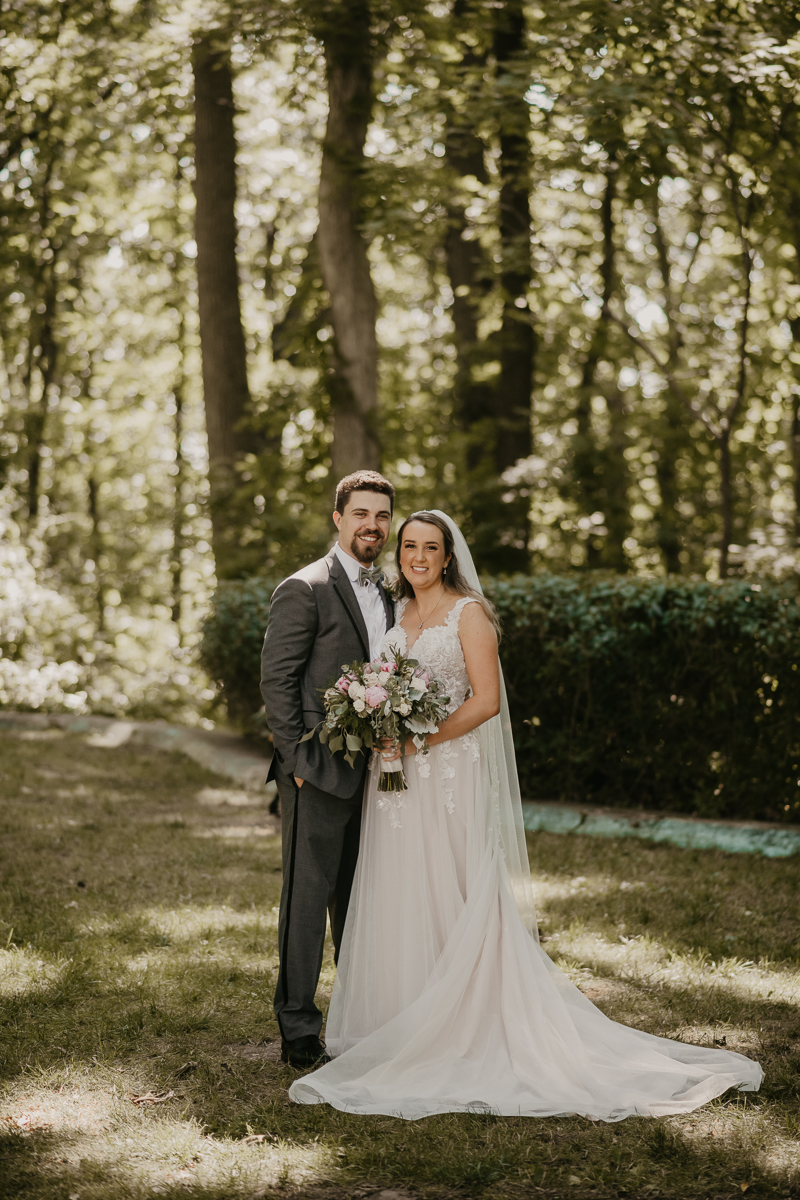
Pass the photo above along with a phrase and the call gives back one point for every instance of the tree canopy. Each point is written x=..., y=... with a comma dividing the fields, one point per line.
x=540, y=263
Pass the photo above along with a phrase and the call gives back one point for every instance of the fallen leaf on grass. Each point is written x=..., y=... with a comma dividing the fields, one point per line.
x=744, y=1186
x=156, y=1097
x=257, y=1138
x=22, y=1121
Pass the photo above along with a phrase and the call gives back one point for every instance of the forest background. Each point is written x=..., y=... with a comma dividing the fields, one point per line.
x=538, y=263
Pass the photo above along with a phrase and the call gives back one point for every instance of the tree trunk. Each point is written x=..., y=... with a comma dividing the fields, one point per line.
x=516, y=339
x=36, y=417
x=669, y=446
x=225, y=388
x=466, y=268
x=726, y=500
x=96, y=544
x=617, y=479
x=728, y=422
x=673, y=436
x=603, y=476
x=344, y=29
x=178, y=509
x=795, y=444
x=793, y=212
x=500, y=513
x=464, y=256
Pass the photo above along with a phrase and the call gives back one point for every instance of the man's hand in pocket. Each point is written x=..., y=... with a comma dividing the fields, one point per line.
x=299, y=782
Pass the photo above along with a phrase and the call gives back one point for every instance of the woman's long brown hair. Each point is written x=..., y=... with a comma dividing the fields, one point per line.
x=453, y=580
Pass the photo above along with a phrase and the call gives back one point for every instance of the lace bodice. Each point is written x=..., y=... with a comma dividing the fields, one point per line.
x=438, y=649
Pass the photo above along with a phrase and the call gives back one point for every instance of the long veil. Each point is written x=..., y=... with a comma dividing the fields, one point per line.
x=500, y=766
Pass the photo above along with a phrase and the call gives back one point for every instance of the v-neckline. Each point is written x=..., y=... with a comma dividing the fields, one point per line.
x=442, y=625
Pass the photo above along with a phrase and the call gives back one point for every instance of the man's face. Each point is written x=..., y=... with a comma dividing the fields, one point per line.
x=364, y=525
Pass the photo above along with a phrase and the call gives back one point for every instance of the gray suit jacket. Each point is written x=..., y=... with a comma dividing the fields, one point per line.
x=315, y=627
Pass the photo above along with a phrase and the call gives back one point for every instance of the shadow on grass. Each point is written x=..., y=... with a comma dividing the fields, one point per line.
x=161, y=981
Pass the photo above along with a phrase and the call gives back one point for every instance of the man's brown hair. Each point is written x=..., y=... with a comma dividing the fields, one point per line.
x=363, y=481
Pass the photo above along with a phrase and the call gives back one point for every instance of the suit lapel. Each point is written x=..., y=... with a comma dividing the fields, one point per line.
x=344, y=590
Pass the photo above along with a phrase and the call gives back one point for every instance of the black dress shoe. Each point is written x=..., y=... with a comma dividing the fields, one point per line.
x=306, y=1051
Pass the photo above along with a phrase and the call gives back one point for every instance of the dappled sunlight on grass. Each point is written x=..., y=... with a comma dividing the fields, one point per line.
x=232, y=797
x=751, y=1131
x=85, y=1121
x=643, y=960
x=22, y=972
x=237, y=831
x=155, y=978
x=204, y=921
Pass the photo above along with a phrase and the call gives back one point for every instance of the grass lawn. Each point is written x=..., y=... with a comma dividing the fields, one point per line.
x=138, y=920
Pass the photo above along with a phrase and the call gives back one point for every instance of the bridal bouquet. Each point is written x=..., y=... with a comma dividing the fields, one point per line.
x=387, y=698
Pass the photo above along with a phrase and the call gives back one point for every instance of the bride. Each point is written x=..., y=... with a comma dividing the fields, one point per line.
x=444, y=1000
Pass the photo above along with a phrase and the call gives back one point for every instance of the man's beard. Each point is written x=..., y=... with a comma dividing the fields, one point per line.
x=366, y=554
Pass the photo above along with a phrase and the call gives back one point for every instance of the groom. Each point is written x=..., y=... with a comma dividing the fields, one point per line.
x=333, y=612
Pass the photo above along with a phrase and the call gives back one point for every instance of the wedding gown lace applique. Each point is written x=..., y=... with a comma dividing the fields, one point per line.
x=440, y=647
x=443, y=1001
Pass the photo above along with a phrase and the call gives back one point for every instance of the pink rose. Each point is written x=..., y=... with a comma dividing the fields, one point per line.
x=376, y=696
x=389, y=666
x=343, y=684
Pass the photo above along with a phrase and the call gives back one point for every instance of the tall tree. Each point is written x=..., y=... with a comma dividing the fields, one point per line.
x=224, y=355
x=344, y=28
x=506, y=547
x=464, y=254
x=602, y=476
x=493, y=412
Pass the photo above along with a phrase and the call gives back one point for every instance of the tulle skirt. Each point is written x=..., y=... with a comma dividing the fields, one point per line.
x=443, y=1001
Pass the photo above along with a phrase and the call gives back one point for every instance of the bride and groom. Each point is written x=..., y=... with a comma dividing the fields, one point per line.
x=443, y=999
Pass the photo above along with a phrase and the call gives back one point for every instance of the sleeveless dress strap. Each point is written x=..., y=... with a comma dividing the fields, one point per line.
x=454, y=616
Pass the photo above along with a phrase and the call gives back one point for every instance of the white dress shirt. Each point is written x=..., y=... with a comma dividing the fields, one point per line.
x=369, y=601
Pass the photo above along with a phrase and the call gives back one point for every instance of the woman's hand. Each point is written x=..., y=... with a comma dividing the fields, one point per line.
x=390, y=751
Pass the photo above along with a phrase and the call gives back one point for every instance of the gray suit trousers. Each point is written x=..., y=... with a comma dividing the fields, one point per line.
x=320, y=847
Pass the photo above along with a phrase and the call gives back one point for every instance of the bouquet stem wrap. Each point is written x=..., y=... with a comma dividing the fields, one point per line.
x=392, y=777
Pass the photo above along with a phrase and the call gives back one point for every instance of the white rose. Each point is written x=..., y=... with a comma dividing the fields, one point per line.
x=371, y=678
x=405, y=709
x=419, y=684
x=357, y=691
x=359, y=705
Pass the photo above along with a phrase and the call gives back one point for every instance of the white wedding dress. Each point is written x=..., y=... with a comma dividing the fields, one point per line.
x=443, y=1001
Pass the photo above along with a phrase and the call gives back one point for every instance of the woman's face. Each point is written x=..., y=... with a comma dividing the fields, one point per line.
x=422, y=557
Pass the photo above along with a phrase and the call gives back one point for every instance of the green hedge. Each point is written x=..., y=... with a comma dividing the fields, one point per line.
x=230, y=649
x=659, y=694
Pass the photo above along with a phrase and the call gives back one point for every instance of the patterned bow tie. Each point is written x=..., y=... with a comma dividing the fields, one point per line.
x=369, y=576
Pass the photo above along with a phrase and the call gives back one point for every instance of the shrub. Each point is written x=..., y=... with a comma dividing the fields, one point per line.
x=660, y=694
x=230, y=650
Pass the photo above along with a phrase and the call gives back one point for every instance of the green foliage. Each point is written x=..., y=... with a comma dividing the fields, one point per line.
x=230, y=650
x=665, y=694
x=42, y=633
x=52, y=658
x=672, y=695
x=102, y=439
